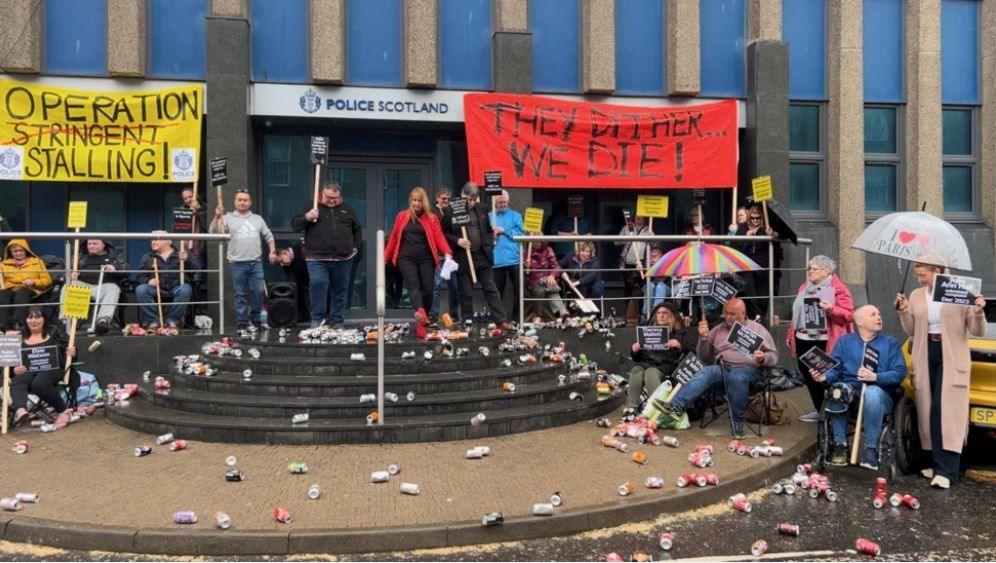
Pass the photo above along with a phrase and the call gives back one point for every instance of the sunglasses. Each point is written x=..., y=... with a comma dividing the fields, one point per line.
x=755, y=217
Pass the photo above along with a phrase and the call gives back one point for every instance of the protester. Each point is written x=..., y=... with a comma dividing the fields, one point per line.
x=881, y=384
x=23, y=277
x=508, y=224
x=836, y=303
x=659, y=286
x=741, y=220
x=332, y=236
x=39, y=332
x=654, y=366
x=443, y=195
x=414, y=246
x=633, y=260
x=941, y=360
x=168, y=261
x=244, y=258
x=692, y=224
x=101, y=255
x=564, y=225
x=583, y=269
x=200, y=221
x=756, y=282
x=480, y=240
x=296, y=272
x=731, y=367
x=543, y=279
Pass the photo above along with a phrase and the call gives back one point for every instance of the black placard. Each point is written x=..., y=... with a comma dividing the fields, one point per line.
x=10, y=351
x=818, y=360
x=722, y=291
x=653, y=338
x=319, y=149
x=41, y=358
x=492, y=182
x=869, y=360
x=627, y=215
x=699, y=196
x=461, y=215
x=219, y=171
x=956, y=290
x=681, y=289
x=183, y=220
x=701, y=287
x=744, y=339
x=814, y=318
x=575, y=206
x=687, y=368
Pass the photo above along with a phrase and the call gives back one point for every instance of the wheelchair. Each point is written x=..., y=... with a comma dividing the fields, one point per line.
x=899, y=440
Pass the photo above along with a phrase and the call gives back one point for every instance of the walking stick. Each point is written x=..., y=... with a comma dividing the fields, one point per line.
x=159, y=295
x=470, y=259
x=857, y=428
x=6, y=396
x=96, y=301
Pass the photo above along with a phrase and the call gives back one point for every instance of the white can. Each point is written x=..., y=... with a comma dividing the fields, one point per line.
x=410, y=489
x=27, y=497
x=410, y=396
x=380, y=477
x=299, y=418
x=543, y=509
x=391, y=397
x=10, y=504
x=478, y=419
x=164, y=439
x=556, y=499
x=394, y=468
x=486, y=450
x=358, y=357
x=314, y=492
x=367, y=398
x=222, y=520
x=475, y=453
x=231, y=461
x=246, y=373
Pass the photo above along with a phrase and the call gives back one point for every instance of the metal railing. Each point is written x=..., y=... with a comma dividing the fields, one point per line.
x=524, y=241
x=69, y=237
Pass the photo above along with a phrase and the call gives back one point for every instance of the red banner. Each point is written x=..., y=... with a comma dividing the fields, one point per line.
x=542, y=142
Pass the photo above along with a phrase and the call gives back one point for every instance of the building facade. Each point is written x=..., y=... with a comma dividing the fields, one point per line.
x=854, y=108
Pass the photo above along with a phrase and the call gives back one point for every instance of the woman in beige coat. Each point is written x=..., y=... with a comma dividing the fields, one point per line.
x=941, y=370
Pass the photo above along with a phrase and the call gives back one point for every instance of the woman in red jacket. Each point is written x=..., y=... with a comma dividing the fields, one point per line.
x=414, y=247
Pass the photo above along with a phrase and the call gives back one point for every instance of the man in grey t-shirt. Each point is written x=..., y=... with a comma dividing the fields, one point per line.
x=244, y=254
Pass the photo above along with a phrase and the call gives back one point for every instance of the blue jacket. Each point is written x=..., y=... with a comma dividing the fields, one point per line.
x=507, y=251
x=850, y=350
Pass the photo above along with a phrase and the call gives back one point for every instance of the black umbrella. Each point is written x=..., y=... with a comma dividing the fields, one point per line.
x=782, y=222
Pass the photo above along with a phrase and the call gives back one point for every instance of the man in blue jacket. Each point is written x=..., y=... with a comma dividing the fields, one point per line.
x=507, y=224
x=857, y=367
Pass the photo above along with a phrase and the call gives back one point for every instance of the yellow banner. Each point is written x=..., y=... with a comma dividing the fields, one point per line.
x=77, y=302
x=652, y=205
x=77, y=215
x=61, y=134
x=533, y=222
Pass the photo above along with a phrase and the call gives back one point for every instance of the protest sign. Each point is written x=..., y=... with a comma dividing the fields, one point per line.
x=53, y=134
x=652, y=205
x=183, y=220
x=492, y=182
x=76, y=218
x=652, y=338
x=461, y=215
x=575, y=206
x=687, y=368
x=533, y=220
x=681, y=289
x=814, y=318
x=818, y=360
x=219, y=171
x=76, y=304
x=541, y=142
x=869, y=360
x=722, y=291
x=956, y=290
x=762, y=188
x=319, y=149
x=10, y=351
x=701, y=287
x=40, y=358
x=744, y=339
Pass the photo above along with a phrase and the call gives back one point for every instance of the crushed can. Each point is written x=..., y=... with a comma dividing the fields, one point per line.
x=185, y=517
x=666, y=541
x=613, y=558
x=299, y=418
x=410, y=488
x=178, y=445
x=641, y=557
x=222, y=520
x=142, y=451
x=603, y=423
x=10, y=504
x=867, y=547
x=297, y=468
x=282, y=515
x=493, y=519
x=759, y=548
x=20, y=447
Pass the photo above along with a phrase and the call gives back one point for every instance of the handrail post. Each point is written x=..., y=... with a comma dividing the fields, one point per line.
x=221, y=287
x=522, y=287
x=381, y=282
x=771, y=283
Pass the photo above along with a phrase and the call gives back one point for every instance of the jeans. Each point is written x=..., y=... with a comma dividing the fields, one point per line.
x=738, y=382
x=640, y=377
x=877, y=403
x=659, y=291
x=325, y=276
x=593, y=290
x=180, y=295
x=452, y=289
x=109, y=292
x=946, y=463
x=247, y=281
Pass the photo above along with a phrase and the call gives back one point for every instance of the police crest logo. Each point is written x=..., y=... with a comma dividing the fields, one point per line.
x=310, y=102
x=184, y=167
x=11, y=160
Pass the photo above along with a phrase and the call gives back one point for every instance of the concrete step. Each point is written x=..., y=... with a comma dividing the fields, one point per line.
x=367, y=366
x=271, y=347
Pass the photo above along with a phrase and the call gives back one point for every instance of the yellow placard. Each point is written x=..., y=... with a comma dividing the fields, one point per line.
x=77, y=215
x=76, y=304
x=64, y=134
x=652, y=205
x=532, y=222
x=762, y=188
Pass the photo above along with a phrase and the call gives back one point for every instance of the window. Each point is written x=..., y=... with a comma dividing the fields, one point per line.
x=722, y=31
x=14, y=206
x=883, y=159
x=373, y=48
x=288, y=178
x=960, y=51
x=882, y=51
x=806, y=159
x=177, y=37
x=73, y=48
x=804, y=30
x=280, y=38
x=556, y=28
x=465, y=44
x=640, y=47
x=105, y=209
x=960, y=154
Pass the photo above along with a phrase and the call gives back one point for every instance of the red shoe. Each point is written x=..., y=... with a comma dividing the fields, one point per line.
x=421, y=320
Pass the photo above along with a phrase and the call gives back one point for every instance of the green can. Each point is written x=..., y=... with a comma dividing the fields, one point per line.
x=298, y=468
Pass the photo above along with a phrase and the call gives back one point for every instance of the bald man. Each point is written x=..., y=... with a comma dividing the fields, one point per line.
x=730, y=365
x=883, y=384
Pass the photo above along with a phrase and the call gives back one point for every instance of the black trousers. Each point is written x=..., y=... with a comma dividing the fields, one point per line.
x=14, y=297
x=418, y=275
x=756, y=285
x=946, y=462
x=41, y=383
x=485, y=277
x=508, y=276
x=816, y=389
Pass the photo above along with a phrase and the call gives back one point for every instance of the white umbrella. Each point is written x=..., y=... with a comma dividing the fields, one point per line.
x=916, y=236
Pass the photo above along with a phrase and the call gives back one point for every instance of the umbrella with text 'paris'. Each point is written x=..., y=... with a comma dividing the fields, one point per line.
x=916, y=236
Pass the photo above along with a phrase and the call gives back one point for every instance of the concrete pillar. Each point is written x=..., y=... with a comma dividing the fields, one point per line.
x=421, y=25
x=328, y=41
x=598, y=46
x=126, y=38
x=230, y=8
x=682, y=47
x=20, y=35
x=767, y=143
x=987, y=119
x=845, y=133
x=512, y=47
x=764, y=20
x=511, y=15
x=924, y=180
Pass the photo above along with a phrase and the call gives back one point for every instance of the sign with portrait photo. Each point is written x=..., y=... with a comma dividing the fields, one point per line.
x=956, y=290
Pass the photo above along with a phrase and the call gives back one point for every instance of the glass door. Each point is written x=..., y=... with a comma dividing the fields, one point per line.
x=397, y=181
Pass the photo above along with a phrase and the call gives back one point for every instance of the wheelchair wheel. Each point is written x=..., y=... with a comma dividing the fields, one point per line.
x=907, y=436
x=887, y=454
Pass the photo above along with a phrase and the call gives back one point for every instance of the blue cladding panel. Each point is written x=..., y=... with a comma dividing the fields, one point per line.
x=48, y=209
x=722, y=27
x=76, y=36
x=556, y=28
x=465, y=44
x=280, y=33
x=177, y=39
x=960, y=51
x=640, y=47
x=883, y=50
x=804, y=29
x=373, y=28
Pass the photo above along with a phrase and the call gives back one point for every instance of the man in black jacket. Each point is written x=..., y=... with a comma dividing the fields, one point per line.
x=167, y=259
x=481, y=242
x=101, y=255
x=332, y=237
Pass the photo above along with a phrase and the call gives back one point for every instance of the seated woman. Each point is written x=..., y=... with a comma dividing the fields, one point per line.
x=542, y=275
x=44, y=350
x=653, y=366
x=582, y=267
x=22, y=278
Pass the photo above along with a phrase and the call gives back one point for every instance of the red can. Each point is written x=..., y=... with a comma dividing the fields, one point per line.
x=685, y=480
x=704, y=448
x=867, y=547
x=712, y=479
x=177, y=445
x=614, y=557
x=804, y=468
x=788, y=529
x=701, y=479
x=911, y=501
x=733, y=446
x=20, y=447
x=282, y=515
x=666, y=541
x=880, y=501
x=769, y=442
x=759, y=548
x=743, y=505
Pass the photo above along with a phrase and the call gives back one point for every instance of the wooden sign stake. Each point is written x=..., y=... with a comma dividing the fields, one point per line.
x=6, y=396
x=159, y=295
x=470, y=258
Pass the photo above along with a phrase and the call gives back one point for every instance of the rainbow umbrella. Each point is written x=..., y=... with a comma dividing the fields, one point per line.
x=697, y=258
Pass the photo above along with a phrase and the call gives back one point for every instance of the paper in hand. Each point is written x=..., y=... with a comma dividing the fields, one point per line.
x=449, y=266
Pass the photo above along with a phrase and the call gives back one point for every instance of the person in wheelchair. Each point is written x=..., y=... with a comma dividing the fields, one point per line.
x=44, y=349
x=882, y=384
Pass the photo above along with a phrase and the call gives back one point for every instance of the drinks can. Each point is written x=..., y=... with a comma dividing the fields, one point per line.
x=299, y=418
x=164, y=439
x=701, y=480
x=707, y=448
x=711, y=479
x=478, y=419
x=234, y=476
x=896, y=499
x=254, y=353
x=867, y=547
x=685, y=480
x=759, y=548
x=556, y=499
x=427, y=355
x=394, y=468
x=804, y=468
x=543, y=509
x=733, y=446
x=142, y=451
x=222, y=520
x=10, y=504
x=30, y=498
x=788, y=529
x=178, y=445
x=486, y=450
x=911, y=501
x=614, y=558
x=670, y=441
x=879, y=501
x=20, y=447
x=185, y=517
x=391, y=397
x=475, y=453
x=297, y=468
x=282, y=515
x=230, y=461
x=666, y=541
x=640, y=557
x=654, y=482
x=380, y=477
x=603, y=423
x=768, y=442
x=778, y=488
x=831, y=495
x=493, y=519
x=411, y=396
x=314, y=492
x=743, y=505
x=367, y=398
x=357, y=357
x=247, y=373
x=640, y=458
x=508, y=386
x=575, y=396
x=776, y=451
x=410, y=488
x=625, y=489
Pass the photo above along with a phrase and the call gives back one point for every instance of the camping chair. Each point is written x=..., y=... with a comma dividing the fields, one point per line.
x=715, y=399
